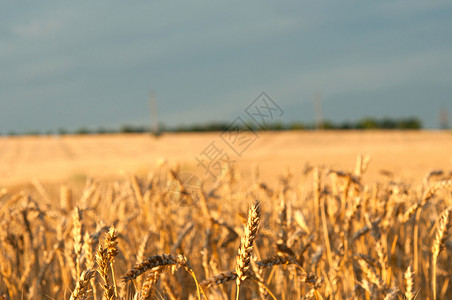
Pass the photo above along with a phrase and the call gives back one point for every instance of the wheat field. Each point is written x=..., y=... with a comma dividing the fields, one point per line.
x=337, y=226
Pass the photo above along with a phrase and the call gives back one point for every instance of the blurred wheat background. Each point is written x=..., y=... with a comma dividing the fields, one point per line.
x=321, y=232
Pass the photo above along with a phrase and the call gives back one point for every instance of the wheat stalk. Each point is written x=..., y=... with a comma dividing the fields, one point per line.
x=66, y=198
x=77, y=235
x=445, y=221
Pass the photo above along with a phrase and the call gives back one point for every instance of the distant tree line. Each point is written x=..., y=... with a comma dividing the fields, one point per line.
x=362, y=124
x=371, y=123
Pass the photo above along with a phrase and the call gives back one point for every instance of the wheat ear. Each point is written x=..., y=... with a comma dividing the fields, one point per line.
x=445, y=221
x=148, y=264
x=81, y=289
x=102, y=268
x=246, y=247
x=112, y=251
x=409, y=283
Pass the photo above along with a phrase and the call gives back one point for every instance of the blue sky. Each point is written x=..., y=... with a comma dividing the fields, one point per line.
x=94, y=63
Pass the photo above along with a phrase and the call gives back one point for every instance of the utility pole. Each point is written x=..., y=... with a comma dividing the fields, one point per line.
x=154, y=114
x=318, y=111
x=443, y=119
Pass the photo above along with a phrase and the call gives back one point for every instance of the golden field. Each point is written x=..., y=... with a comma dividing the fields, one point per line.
x=410, y=155
x=297, y=215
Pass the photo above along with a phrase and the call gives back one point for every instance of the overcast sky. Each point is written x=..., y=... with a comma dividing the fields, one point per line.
x=94, y=63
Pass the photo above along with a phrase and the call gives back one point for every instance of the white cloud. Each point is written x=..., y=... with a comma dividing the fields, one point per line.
x=37, y=28
x=184, y=38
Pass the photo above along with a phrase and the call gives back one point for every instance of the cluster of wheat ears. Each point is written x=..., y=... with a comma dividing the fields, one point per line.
x=326, y=235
